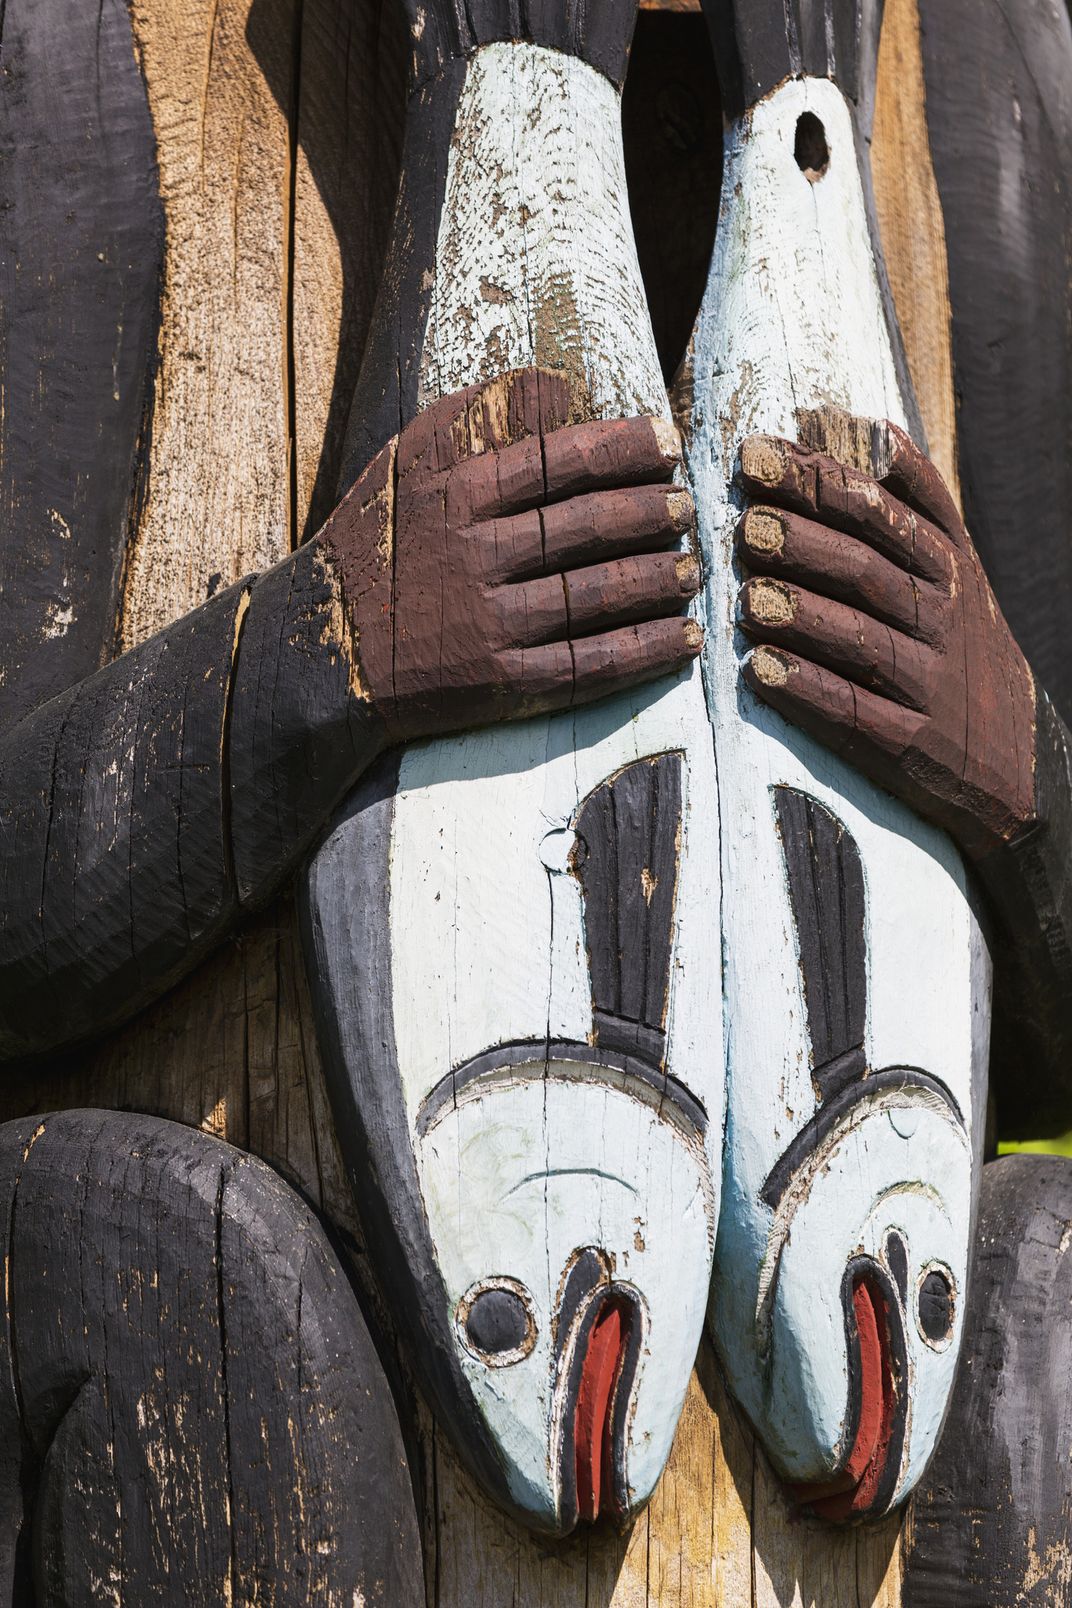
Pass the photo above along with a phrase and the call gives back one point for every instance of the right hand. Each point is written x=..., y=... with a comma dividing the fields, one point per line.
x=496, y=563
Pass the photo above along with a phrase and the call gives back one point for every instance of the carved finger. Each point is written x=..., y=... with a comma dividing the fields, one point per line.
x=911, y=476
x=600, y=598
x=560, y=674
x=604, y=524
x=629, y=589
x=840, y=638
x=578, y=458
x=837, y=565
x=812, y=484
x=637, y=653
x=868, y=731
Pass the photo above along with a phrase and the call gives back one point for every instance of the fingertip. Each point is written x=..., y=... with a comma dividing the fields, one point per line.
x=667, y=439
x=761, y=533
x=764, y=460
x=766, y=669
x=767, y=603
x=689, y=575
x=681, y=510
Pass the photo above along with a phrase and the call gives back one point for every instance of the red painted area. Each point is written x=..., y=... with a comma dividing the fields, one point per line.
x=592, y=1416
x=854, y=1490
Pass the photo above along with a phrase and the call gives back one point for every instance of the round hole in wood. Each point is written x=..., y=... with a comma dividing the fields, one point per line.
x=810, y=148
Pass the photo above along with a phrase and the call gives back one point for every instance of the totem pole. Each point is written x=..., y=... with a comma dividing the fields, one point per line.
x=521, y=920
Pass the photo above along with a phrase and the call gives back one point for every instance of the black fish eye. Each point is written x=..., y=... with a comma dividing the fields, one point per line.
x=496, y=1321
x=937, y=1303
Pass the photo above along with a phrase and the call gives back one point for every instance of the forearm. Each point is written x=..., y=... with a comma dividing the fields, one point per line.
x=142, y=810
x=1029, y=885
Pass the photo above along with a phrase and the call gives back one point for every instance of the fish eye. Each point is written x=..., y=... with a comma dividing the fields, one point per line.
x=497, y=1322
x=936, y=1303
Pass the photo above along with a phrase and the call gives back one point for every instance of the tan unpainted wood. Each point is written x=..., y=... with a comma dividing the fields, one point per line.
x=218, y=502
x=718, y=1534
x=913, y=229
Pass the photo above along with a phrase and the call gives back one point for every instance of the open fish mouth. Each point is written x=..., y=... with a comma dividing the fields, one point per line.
x=601, y=1327
x=878, y=1401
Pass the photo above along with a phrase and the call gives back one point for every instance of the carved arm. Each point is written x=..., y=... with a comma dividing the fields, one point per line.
x=143, y=810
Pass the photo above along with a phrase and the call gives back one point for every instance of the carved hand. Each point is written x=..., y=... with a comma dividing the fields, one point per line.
x=495, y=563
x=880, y=635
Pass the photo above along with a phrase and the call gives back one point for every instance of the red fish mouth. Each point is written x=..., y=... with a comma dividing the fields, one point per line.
x=598, y=1391
x=864, y=1483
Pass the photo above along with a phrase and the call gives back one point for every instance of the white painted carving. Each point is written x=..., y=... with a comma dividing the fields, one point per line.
x=793, y=318
x=548, y=1155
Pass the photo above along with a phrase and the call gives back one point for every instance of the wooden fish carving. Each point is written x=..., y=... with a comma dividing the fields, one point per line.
x=856, y=976
x=531, y=1092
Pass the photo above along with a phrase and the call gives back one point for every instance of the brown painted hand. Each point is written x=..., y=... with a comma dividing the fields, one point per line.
x=495, y=563
x=881, y=636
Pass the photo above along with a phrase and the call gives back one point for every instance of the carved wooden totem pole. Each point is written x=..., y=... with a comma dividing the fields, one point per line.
x=535, y=847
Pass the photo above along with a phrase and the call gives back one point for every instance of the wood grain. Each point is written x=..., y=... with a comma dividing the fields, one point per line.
x=197, y=1405
x=218, y=504
x=233, y=1049
x=990, y=1523
x=912, y=226
x=81, y=247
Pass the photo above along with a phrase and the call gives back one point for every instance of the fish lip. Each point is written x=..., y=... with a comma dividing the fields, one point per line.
x=849, y=1495
x=573, y=1351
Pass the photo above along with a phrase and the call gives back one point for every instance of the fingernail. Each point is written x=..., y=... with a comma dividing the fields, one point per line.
x=693, y=635
x=763, y=459
x=770, y=602
x=763, y=531
x=769, y=667
x=681, y=509
x=688, y=574
x=667, y=437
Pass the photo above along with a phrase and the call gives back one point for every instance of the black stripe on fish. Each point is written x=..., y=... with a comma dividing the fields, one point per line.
x=626, y=860
x=826, y=891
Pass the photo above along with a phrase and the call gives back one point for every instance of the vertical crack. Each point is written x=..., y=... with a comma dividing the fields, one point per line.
x=291, y=217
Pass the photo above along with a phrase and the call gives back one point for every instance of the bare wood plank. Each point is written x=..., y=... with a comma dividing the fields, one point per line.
x=913, y=228
x=218, y=503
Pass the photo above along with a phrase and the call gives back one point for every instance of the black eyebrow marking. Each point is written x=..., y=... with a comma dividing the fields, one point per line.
x=542, y=1055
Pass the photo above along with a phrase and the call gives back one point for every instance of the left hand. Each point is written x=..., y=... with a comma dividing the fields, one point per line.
x=880, y=634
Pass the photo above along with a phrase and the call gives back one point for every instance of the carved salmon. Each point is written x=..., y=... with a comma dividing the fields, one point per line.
x=530, y=1090
x=856, y=977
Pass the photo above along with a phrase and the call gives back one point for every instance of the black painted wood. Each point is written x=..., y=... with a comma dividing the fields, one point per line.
x=142, y=811
x=758, y=43
x=81, y=250
x=298, y=736
x=449, y=30
x=989, y=1525
x=826, y=891
x=191, y=1407
x=626, y=859
x=1029, y=885
x=999, y=116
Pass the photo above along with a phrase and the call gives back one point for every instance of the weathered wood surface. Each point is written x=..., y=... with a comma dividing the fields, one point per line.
x=833, y=1148
x=990, y=1524
x=495, y=1048
x=81, y=252
x=233, y=1050
x=191, y=1407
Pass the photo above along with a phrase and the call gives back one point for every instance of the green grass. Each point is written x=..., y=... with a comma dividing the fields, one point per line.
x=1044, y=1147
